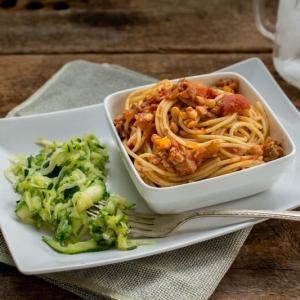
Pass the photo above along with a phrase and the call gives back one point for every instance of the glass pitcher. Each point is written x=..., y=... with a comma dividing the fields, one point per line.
x=286, y=38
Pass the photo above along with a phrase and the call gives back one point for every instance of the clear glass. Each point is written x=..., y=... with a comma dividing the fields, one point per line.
x=286, y=54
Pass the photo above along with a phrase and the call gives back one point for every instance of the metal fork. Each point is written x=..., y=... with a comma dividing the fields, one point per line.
x=156, y=225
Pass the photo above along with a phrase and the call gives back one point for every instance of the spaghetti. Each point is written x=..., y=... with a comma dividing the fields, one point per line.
x=182, y=132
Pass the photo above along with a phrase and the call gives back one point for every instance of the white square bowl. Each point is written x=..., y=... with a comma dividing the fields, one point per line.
x=215, y=190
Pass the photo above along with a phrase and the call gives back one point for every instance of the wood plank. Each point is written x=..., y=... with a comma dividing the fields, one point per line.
x=21, y=75
x=268, y=265
x=134, y=26
x=263, y=284
x=271, y=245
x=16, y=286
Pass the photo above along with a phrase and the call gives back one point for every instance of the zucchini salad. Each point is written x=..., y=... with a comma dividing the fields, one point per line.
x=57, y=187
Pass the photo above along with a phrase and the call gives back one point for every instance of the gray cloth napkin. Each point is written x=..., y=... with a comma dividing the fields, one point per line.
x=189, y=273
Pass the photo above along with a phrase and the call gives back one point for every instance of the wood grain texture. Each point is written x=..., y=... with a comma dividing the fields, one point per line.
x=133, y=26
x=263, y=284
x=165, y=39
x=15, y=286
x=21, y=75
x=268, y=265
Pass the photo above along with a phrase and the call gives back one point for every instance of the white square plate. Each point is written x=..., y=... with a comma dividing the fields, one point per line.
x=17, y=136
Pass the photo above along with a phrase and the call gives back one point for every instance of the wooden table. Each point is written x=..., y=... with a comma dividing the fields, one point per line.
x=165, y=39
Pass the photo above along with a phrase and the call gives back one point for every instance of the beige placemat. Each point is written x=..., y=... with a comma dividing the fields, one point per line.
x=189, y=273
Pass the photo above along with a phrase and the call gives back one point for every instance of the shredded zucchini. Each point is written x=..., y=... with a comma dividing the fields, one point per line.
x=59, y=184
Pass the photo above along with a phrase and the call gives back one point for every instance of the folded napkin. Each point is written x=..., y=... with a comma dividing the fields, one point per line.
x=189, y=273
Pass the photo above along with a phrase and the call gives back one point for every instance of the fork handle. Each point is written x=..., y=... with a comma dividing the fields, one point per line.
x=259, y=214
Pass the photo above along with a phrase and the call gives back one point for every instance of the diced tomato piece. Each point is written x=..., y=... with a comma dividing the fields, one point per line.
x=206, y=92
x=233, y=103
x=211, y=94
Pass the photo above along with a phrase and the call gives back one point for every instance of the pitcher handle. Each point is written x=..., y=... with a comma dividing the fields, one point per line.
x=259, y=12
